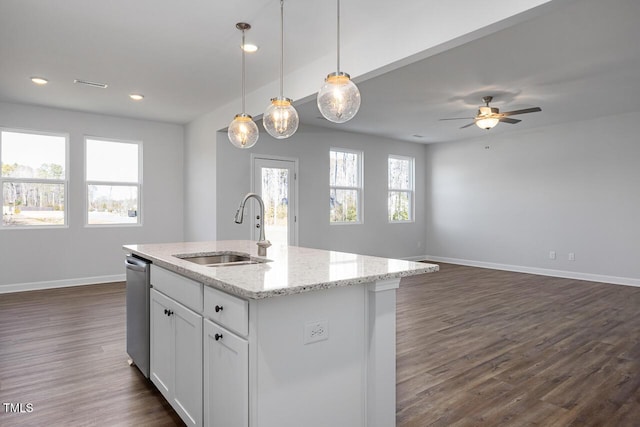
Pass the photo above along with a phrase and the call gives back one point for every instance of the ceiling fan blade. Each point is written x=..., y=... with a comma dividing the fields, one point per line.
x=470, y=124
x=510, y=121
x=526, y=110
x=459, y=118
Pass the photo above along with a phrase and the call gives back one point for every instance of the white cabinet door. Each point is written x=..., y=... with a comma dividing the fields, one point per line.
x=161, y=345
x=226, y=378
x=188, y=365
x=176, y=356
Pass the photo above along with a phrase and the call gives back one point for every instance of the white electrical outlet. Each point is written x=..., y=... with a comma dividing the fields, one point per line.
x=572, y=256
x=552, y=254
x=316, y=331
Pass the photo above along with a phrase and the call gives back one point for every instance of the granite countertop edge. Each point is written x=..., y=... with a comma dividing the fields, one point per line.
x=290, y=290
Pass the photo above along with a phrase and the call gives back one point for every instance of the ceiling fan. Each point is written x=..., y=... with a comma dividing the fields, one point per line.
x=488, y=117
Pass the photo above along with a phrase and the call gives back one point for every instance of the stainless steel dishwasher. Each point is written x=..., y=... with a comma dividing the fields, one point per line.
x=138, y=312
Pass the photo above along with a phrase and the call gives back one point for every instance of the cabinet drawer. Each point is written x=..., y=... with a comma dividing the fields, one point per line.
x=227, y=310
x=181, y=289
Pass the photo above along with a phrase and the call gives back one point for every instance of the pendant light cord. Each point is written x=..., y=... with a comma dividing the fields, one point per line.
x=338, y=38
x=242, y=47
x=281, y=48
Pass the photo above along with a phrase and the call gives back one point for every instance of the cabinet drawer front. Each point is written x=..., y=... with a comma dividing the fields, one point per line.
x=227, y=310
x=181, y=289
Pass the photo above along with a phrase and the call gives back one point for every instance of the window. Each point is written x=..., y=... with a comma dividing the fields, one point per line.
x=113, y=175
x=33, y=179
x=401, y=189
x=345, y=186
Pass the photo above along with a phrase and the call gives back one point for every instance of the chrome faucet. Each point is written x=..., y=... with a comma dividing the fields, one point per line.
x=262, y=243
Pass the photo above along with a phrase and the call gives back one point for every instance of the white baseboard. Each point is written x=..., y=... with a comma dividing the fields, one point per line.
x=33, y=286
x=616, y=280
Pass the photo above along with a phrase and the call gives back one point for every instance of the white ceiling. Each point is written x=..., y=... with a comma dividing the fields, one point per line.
x=579, y=61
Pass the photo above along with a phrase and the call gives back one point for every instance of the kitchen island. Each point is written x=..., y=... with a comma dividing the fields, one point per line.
x=299, y=337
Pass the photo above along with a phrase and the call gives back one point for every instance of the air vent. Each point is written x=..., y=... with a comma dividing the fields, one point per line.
x=92, y=84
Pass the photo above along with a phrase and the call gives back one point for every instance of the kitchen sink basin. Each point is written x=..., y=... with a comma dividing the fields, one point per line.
x=221, y=259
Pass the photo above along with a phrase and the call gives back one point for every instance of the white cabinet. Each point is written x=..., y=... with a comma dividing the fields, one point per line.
x=223, y=361
x=176, y=356
x=226, y=378
x=161, y=347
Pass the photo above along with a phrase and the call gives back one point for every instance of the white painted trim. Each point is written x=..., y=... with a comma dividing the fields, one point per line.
x=615, y=280
x=65, y=283
x=380, y=342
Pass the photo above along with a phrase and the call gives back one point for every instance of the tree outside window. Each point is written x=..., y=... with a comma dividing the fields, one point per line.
x=113, y=179
x=33, y=179
x=401, y=189
x=345, y=186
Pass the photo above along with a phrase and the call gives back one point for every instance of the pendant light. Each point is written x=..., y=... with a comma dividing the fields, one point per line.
x=281, y=118
x=243, y=132
x=339, y=97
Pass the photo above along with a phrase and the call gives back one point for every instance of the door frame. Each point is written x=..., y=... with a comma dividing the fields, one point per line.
x=292, y=241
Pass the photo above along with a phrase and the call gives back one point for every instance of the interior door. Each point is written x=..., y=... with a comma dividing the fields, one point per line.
x=275, y=180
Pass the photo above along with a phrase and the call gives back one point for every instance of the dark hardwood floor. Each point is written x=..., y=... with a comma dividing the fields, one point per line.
x=476, y=347
x=63, y=351
x=480, y=347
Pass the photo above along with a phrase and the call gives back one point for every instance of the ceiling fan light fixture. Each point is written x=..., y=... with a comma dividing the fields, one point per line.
x=487, y=122
x=243, y=131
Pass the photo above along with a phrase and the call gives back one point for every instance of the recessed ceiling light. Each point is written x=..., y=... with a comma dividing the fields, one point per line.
x=39, y=80
x=249, y=48
x=136, y=96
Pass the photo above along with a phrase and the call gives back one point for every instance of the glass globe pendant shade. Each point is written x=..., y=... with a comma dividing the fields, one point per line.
x=243, y=131
x=280, y=119
x=487, y=123
x=338, y=98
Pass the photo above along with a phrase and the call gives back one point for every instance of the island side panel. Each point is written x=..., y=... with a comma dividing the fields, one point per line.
x=317, y=384
x=381, y=353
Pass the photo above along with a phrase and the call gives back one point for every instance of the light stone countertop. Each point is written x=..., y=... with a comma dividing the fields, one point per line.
x=292, y=269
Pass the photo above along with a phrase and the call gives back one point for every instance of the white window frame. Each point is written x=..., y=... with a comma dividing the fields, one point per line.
x=411, y=192
x=113, y=183
x=359, y=188
x=64, y=182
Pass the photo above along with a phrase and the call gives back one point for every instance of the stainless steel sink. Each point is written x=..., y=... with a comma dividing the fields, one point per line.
x=221, y=259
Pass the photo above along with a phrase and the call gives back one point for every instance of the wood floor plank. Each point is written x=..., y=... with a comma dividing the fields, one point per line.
x=511, y=349
x=63, y=351
x=475, y=347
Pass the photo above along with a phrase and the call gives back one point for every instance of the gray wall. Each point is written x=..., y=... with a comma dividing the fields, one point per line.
x=311, y=146
x=78, y=254
x=200, y=179
x=568, y=188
